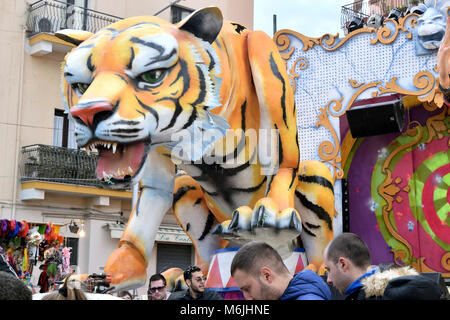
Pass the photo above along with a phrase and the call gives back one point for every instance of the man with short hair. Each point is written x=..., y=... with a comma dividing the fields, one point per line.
x=195, y=281
x=261, y=274
x=11, y=288
x=347, y=261
x=158, y=287
x=349, y=266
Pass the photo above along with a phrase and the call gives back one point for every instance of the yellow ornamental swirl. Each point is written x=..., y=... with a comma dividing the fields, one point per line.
x=329, y=42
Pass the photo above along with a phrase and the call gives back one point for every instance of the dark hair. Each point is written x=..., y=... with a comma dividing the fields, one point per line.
x=12, y=288
x=122, y=294
x=189, y=271
x=256, y=254
x=350, y=246
x=158, y=276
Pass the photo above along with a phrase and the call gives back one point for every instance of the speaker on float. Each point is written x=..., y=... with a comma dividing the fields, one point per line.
x=377, y=118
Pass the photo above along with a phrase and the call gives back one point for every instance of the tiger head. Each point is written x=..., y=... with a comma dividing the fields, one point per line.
x=134, y=84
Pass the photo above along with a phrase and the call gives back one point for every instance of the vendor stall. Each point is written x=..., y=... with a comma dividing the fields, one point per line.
x=24, y=245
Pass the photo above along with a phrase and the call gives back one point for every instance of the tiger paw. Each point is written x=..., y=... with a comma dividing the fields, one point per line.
x=126, y=268
x=263, y=223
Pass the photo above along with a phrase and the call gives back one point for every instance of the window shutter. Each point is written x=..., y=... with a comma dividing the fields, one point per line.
x=173, y=256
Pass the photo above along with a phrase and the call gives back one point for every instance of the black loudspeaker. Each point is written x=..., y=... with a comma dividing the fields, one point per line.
x=377, y=118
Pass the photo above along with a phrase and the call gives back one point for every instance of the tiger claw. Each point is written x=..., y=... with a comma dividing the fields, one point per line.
x=227, y=233
x=242, y=219
x=234, y=223
x=223, y=229
x=290, y=219
x=264, y=218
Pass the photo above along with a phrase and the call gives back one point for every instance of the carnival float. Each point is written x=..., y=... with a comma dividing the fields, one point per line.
x=376, y=112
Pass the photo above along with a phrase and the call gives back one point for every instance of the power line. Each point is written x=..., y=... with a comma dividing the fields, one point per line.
x=62, y=211
x=28, y=126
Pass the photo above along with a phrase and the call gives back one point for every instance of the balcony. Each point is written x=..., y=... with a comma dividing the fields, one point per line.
x=56, y=164
x=60, y=170
x=45, y=17
x=365, y=8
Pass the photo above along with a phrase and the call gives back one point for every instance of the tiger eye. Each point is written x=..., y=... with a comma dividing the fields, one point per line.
x=152, y=76
x=82, y=87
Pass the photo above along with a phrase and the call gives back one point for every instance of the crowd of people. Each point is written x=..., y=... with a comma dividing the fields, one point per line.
x=261, y=274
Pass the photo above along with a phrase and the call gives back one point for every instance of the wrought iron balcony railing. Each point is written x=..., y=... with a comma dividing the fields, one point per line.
x=51, y=16
x=365, y=8
x=56, y=164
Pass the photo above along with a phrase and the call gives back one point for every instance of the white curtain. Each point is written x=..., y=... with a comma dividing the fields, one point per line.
x=71, y=142
x=58, y=131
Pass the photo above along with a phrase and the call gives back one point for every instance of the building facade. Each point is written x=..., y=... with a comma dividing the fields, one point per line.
x=362, y=10
x=43, y=176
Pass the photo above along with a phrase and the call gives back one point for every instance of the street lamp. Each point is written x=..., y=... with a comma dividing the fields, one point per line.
x=77, y=226
x=82, y=233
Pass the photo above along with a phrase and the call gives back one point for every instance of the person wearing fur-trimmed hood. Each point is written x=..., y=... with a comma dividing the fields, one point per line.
x=400, y=283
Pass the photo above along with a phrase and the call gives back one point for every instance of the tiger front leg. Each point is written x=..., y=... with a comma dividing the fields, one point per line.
x=126, y=267
x=314, y=199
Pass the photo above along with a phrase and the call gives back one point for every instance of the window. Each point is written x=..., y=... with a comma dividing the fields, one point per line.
x=173, y=256
x=78, y=3
x=73, y=243
x=76, y=14
x=179, y=13
x=63, y=131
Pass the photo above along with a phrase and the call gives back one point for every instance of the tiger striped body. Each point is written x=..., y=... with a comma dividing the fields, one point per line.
x=137, y=86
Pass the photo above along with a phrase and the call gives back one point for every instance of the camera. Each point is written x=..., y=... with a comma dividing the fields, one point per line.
x=97, y=283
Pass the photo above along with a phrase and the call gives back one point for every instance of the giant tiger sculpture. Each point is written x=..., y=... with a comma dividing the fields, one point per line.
x=135, y=86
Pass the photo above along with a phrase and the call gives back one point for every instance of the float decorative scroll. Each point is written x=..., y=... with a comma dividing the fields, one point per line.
x=329, y=42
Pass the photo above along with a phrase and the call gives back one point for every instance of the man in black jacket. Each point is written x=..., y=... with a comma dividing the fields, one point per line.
x=195, y=280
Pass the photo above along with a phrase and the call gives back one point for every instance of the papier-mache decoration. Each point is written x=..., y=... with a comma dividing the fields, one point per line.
x=213, y=98
x=66, y=269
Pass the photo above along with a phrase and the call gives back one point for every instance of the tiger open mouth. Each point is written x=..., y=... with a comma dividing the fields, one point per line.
x=118, y=163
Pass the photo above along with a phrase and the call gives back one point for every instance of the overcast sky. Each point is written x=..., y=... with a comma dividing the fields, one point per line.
x=312, y=18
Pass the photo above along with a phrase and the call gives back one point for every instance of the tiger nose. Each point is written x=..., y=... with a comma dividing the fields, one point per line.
x=87, y=114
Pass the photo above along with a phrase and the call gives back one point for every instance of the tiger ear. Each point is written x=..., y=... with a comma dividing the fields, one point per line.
x=73, y=36
x=204, y=23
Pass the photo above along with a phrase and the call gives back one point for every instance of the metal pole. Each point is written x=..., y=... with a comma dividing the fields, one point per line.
x=17, y=150
x=168, y=6
x=274, y=24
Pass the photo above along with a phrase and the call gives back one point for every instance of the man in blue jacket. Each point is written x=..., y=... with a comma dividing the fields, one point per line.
x=261, y=274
